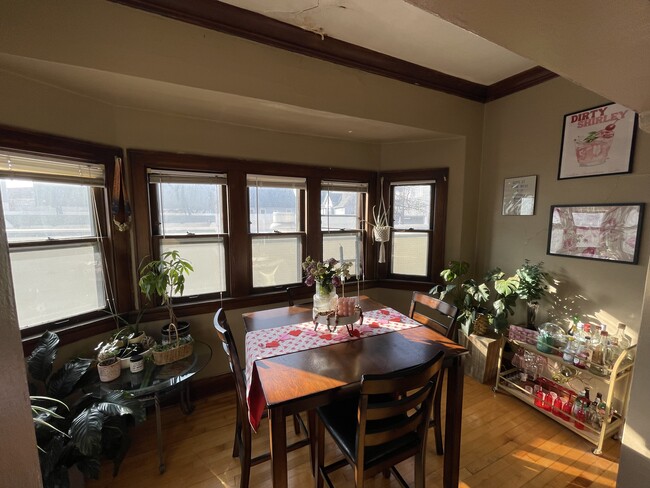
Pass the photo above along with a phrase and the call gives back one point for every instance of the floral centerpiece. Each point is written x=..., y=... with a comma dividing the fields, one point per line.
x=326, y=275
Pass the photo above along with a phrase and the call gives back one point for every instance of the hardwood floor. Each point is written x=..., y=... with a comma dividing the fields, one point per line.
x=505, y=444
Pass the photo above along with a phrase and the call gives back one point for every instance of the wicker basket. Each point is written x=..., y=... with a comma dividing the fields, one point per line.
x=179, y=351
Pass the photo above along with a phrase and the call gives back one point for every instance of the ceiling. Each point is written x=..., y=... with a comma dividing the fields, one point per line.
x=400, y=30
x=405, y=36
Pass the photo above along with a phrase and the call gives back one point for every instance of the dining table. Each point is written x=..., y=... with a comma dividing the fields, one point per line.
x=301, y=380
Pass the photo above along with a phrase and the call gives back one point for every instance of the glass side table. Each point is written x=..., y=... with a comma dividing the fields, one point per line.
x=153, y=382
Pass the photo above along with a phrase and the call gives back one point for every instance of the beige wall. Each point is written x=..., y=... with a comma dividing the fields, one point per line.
x=522, y=137
x=19, y=462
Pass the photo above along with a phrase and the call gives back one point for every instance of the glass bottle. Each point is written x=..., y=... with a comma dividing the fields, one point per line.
x=599, y=346
x=569, y=350
x=580, y=407
x=601, y=408
x=617, y=344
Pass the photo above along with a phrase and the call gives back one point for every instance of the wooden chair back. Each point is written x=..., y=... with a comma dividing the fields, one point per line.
x=230, y=347
x=435, y=314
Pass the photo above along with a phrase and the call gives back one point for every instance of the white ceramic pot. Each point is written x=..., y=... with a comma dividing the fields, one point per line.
x=109, y=369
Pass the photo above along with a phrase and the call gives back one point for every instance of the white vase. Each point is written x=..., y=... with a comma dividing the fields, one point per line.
x=325, y=298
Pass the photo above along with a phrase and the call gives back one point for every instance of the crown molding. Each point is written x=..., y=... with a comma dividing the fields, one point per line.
x=226, y=18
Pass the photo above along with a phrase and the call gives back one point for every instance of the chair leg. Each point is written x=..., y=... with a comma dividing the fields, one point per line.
x=296, y=424
x=311, y=422
x=420, y=462
x=235, y=446
x=319, y=443
x=437, y=426
x=245, y=460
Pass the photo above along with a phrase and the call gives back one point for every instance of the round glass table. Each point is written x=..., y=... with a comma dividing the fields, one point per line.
x=153, y=382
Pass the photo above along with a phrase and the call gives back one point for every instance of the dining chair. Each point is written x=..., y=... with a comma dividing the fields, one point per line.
x=379, y=428
x=293, y=295
x=441, y=317
x=242, y=446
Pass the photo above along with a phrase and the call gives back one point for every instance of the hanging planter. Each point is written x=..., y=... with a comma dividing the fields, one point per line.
x=381, y=229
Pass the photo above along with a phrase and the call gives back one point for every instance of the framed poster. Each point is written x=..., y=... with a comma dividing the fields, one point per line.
x=597, y=141
x=609, y=232
x=519, y=195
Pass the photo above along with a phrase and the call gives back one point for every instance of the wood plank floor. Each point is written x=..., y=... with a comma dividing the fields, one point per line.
x=505, y=444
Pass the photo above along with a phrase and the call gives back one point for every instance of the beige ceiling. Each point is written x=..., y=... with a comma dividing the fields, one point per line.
x=398, y=29
x=601, y=45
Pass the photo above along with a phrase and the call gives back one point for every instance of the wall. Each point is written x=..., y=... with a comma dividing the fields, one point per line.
x=522, y=137
x=20, y=468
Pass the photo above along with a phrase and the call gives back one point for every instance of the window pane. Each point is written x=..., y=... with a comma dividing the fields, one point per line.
x=343, y=247
x=412, y=207
x=38, y=210
x=339, y=210
x=273, y=209
x=57, y=282
x=194, y=208
x=208, y=258
x=276, y=261
x=410, y=253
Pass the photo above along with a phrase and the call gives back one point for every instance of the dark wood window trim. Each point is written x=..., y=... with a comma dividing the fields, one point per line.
x=239, y=272
x=229, y=19
x=116, y=247
x=438, y=225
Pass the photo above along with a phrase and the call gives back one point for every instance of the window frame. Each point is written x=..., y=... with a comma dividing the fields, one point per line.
x=241, y=293
x=115, y=245
x=156, y=237
x=439, y=189
x=362, y=215
x=300, y=233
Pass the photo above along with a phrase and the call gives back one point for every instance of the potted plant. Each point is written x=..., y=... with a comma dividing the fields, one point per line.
x=164, y=278
x=73, y=428
x=533, y=285
x=482, y=305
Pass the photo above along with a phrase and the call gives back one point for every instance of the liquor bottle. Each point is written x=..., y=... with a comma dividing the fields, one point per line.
x=599, y=347
x=617, y=344
x=601, y=409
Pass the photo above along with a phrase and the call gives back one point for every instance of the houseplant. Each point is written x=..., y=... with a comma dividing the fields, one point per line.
x=74, y=428
x=533, y=284
x=326, y=275
x=481, y=305
x=164, y=278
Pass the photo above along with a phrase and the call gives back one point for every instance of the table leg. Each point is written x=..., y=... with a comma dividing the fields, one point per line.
x=455, y=378
x=161, y=463
x=278, y=438
x=186, y=403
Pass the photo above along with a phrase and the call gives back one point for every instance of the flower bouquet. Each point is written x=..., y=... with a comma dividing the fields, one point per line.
x=328, y=308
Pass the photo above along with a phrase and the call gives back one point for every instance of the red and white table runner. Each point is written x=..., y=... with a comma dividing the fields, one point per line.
x=266, y=343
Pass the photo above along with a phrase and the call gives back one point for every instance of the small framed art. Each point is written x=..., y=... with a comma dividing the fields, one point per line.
x=519, y=195
x=597, y=141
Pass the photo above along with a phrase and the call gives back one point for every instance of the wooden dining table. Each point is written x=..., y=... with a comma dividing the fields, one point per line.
x=304, y=380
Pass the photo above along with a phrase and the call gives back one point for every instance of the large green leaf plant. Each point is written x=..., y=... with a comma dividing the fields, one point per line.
x=74, y=428
x=494, y=297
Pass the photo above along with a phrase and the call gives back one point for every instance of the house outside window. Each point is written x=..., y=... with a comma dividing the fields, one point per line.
x=342, y=210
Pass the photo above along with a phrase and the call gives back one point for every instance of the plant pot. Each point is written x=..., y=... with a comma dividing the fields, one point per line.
x=109, y=369
x=531, y=314
x=137, y=338
x=167, y=336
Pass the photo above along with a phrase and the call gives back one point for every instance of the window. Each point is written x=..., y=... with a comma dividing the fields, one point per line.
x=276, y=227
x=55, y=237
x=342, y=209
x=417, y=218
x=190, y=219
